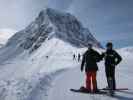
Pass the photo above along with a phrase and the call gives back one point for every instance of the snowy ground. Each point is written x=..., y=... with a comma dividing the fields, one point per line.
x=74, y=79
x=29, y=76
x=36, y=77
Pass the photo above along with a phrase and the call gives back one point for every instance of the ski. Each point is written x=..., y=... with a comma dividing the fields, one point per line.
x=118, y=89
x=87, y=92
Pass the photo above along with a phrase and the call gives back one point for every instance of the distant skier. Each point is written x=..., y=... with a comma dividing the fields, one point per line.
x=112, y=58
x=74, y=57
x=47, y=57
x=79, y=57
x=90, y=59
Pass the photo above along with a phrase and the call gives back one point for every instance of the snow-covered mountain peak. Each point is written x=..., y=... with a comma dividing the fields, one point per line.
x=51, y=23
x=48, y=25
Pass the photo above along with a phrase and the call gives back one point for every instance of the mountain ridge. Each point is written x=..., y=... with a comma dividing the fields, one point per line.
x=49, y=24
x=61, y=25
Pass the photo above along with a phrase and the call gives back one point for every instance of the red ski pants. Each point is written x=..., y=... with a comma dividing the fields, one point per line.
x=91, y=83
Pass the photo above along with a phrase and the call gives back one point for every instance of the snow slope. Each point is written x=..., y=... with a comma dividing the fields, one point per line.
x=29, y=77
x=74, y=79
x=37, y=77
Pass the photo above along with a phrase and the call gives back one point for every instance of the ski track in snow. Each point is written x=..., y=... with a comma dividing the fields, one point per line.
x=34, y=88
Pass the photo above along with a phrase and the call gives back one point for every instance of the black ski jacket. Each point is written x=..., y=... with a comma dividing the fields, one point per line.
x=90, y=59
x=112, y=58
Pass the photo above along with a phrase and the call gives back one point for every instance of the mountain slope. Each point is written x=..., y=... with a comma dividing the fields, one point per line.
x=32, y=78
x=51, y=23
x=62, y=25
x=28, y=77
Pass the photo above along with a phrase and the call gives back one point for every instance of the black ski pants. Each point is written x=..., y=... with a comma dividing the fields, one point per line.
x=110, y=73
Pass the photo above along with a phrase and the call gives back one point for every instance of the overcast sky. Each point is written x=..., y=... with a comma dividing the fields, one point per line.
x=106, y=19
x=17, y=14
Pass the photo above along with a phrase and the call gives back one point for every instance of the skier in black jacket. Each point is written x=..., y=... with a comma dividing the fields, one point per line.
x=90, y=59
x=112, y=58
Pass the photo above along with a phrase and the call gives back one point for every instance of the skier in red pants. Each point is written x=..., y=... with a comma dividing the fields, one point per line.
x=90, y=59
x=91, y=78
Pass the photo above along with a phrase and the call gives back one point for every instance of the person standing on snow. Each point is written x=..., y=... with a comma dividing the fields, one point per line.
x=89, y=61
x=112, y=58
x=79, y=56
x=74, y=57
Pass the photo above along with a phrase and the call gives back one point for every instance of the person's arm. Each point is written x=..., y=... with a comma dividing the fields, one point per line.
x=103, y=55
x=98, y=56
x=118, y=57
x=83, y=62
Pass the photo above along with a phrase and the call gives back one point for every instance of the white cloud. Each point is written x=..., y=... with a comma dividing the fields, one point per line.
x=17, y=14
x=5, y=34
